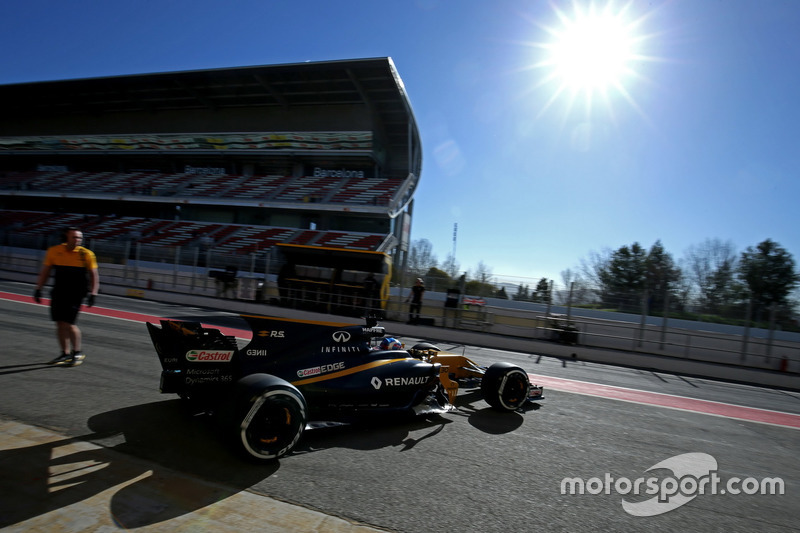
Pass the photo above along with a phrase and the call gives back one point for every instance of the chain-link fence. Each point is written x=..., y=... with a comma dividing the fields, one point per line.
x=672, y=302
x=567, y=315
x=658, y=322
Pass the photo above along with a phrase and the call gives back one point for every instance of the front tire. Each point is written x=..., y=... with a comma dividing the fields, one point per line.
x=270, y=417
x=505, y=386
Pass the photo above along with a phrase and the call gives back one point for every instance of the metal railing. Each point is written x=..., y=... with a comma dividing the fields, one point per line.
x=141, y=267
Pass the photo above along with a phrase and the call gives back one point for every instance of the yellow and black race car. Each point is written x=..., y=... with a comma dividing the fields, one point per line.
x=295, y=372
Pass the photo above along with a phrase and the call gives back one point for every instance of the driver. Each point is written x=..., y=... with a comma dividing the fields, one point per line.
x=389, y=343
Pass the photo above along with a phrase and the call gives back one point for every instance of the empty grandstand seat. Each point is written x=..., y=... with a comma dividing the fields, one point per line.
x=257, y=187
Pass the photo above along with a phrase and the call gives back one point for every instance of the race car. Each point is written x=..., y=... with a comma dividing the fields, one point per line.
x=294, y=374
x=504, y=386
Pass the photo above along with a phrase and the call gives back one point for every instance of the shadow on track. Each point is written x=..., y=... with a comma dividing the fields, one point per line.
x=16, y=369
x=374, y=434
x=395, y=431
x=45, y=477
x=490, y=420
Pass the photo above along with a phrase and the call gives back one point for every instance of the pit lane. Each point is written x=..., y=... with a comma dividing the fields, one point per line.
x=470, y=470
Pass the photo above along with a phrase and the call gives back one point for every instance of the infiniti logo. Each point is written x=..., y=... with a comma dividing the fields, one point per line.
x=341, y=336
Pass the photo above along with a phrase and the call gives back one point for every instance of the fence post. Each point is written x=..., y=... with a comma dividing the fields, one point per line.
x=267, y=261
x=642, y=322
x=569, y=302
x=746, y=335
x=195, y=261
x=664, y=322
x=175, y=266
x=127, y=253
x=771, y=334
x=136, y=261
x=208, y=268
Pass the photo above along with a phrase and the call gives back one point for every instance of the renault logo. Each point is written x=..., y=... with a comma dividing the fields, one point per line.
x=341, y=336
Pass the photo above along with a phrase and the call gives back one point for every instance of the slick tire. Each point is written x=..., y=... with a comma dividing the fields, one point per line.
x=269, y=414
x=505, y=386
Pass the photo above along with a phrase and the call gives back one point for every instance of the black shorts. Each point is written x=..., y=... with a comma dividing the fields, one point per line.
x=65, y=308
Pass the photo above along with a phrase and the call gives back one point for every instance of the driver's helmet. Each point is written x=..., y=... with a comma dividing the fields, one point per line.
x=390, y=343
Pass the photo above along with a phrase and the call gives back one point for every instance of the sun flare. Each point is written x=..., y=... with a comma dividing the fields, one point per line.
x=591, y=54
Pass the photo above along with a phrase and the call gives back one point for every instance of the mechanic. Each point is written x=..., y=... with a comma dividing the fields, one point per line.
x=75, y=275
x=416, y=301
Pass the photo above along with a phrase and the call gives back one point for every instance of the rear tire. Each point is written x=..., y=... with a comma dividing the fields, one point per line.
x=270, y=415
x=505, y=386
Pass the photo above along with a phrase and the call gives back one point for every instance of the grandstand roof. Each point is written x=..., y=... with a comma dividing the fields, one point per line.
x=372, y=83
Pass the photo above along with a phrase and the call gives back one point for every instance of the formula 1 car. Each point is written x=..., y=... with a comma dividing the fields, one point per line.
x=504, y=386
x=295, y=372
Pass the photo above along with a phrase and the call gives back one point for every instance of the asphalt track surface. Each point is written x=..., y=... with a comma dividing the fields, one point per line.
x=469, y=470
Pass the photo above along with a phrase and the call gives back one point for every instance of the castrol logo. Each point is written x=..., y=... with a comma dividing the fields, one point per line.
x=209, y=356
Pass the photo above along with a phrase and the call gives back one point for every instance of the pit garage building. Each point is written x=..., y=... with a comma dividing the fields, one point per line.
x=324, y=155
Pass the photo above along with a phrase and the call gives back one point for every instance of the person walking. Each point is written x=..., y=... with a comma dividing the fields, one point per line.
x=416, y=301
x=75, y=275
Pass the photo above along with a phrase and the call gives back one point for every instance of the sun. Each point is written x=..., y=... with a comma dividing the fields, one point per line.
x=593, y=53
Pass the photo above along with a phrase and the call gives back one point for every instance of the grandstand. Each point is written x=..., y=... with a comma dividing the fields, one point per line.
x=236, y=160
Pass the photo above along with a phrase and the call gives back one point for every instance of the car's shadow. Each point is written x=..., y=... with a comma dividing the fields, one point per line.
x=372, y=434
x=488, y=420
x=152, y=455
x=395, y=431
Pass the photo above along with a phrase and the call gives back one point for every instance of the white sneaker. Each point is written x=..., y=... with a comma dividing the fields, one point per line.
x=77, y=358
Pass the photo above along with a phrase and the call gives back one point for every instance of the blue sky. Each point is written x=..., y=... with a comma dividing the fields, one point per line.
x=698, y=137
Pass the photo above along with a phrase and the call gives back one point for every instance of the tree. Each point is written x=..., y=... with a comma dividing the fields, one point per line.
x=476, y=287
x=480, y=281
x=683, y=290
x=568, y=277
x=769, y=273
x=542, y=291
x=574, y=284
x=593, y=270
x=523, y=293
x=662, y=276
x=711, y=268
x=451, y=266
x=624, y=277
x=421, y=258
x=437, y=280
x=483, y=273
